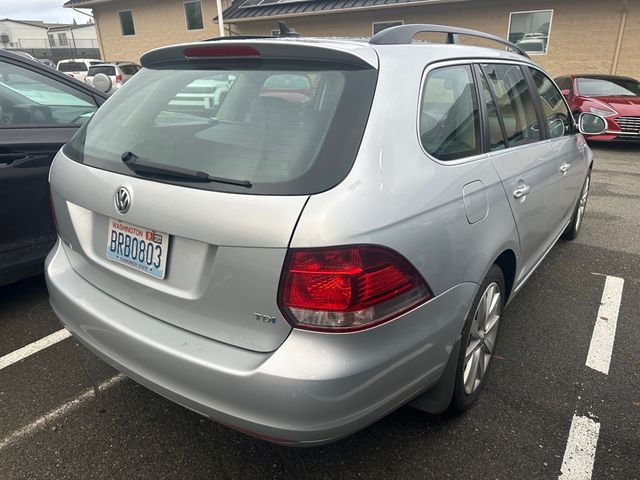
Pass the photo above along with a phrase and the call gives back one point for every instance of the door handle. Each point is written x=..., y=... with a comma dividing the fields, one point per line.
x=564, y=167
x=7, y=159
x=521, y=191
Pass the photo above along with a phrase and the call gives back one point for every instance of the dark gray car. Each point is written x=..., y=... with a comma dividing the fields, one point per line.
x=40, y=110
x=298, y=261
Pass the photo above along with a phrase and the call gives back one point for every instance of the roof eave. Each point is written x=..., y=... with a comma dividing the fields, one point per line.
x=338, y=10
x=85, y=4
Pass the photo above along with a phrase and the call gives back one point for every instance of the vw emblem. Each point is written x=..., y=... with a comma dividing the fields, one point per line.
x=122, y=200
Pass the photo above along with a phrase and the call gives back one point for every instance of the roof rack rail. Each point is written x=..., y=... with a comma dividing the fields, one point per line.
x=403, y=35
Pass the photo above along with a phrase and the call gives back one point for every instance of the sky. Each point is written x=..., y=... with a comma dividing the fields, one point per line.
x=46, y=10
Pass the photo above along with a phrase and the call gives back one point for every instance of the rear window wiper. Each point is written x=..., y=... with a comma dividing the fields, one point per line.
x=138, y=165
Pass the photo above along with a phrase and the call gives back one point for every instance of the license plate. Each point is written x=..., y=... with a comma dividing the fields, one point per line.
x=138, y=247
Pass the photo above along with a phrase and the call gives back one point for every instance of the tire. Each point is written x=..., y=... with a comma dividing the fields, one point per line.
x=573, y=229
x=479, y=347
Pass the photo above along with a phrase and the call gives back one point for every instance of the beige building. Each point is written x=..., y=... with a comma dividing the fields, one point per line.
x=570, y=36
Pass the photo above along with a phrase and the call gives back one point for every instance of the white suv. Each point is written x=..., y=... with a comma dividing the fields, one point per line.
x=118, y=74
x=77, y=67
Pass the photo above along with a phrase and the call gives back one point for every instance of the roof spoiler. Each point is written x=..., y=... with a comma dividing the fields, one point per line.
x=404, y=34
x=232, y=49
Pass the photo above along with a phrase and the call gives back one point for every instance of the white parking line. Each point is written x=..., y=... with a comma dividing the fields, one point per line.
x=58, y=412
x=604, y=332
x=580, y=453
x=32, y=348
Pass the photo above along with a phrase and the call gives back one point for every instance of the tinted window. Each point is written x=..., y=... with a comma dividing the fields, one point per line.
x=559, y=119
x=126, y=23
x=104, y=69
x=515, y=103
x=220, y=122
x=449, y=118
x=128, y=69
x=28, y=98
x=72, y=67
x=494, y=123
x=193, y=13
x=608, y=86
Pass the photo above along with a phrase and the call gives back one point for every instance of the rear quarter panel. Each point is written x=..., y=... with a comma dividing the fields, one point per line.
x=397, y=196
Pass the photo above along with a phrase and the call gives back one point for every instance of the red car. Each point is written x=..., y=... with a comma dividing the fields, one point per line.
x=615, y=98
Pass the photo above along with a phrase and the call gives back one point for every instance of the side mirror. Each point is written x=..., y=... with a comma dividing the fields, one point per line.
x=565, y=92
x=591, y=124
x=102, y=82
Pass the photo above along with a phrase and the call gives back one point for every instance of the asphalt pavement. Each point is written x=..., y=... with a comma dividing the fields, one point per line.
x=64, y=414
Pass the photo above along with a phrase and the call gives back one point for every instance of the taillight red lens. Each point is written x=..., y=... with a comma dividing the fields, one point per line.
x=348, y=288
x=118, y=78
x=221, y=51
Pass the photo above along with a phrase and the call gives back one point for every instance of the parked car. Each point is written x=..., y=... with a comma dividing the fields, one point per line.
x=299, y=270
x=24, y=55
x=40, y=109
x=47, y=62
x=118, y=73
x=77, y=67
x=615, y=98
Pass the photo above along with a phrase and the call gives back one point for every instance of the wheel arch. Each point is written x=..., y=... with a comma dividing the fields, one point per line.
x=507, y=262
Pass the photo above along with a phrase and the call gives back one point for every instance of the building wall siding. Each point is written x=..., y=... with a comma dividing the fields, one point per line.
x=575, y=45
x=157, y=23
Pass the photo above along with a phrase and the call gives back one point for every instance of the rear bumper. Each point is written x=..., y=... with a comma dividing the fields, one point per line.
x=315, y=388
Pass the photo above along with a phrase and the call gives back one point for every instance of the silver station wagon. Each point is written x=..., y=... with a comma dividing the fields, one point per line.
x=335, y=235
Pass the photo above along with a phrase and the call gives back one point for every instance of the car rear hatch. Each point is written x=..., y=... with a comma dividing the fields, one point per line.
x=210, y=192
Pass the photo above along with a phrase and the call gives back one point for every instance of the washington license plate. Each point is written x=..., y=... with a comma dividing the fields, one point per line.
x=138, y=247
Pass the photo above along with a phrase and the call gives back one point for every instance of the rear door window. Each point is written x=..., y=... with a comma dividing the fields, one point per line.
x=233, y=123
x=559, y=119
x=104, y=69
x=493, y=121
x=449, y=115
x=515, y=103
x=73, y=67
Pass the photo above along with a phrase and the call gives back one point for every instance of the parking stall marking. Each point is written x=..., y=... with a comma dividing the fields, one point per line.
x=62, y=410
x=580, y=453
x=604, y=332
x=33, y=348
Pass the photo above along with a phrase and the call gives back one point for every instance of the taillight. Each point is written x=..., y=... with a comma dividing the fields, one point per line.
x=118, y=78
x=221, y=51
x=343, y=289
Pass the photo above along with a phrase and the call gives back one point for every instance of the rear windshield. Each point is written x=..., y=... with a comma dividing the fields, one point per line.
x=128, y=69
x=608, y=86
x=104, y=69
x=287, y=128
x=72, y=67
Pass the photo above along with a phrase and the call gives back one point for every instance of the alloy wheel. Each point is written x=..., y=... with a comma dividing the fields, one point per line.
x=482, y=338
x=582, y=205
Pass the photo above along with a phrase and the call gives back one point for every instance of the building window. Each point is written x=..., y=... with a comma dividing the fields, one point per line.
x=530, y=30
x=62, y=39
x=126, y=23
x=193, y=13
x=52, y=40
x=379, y=26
